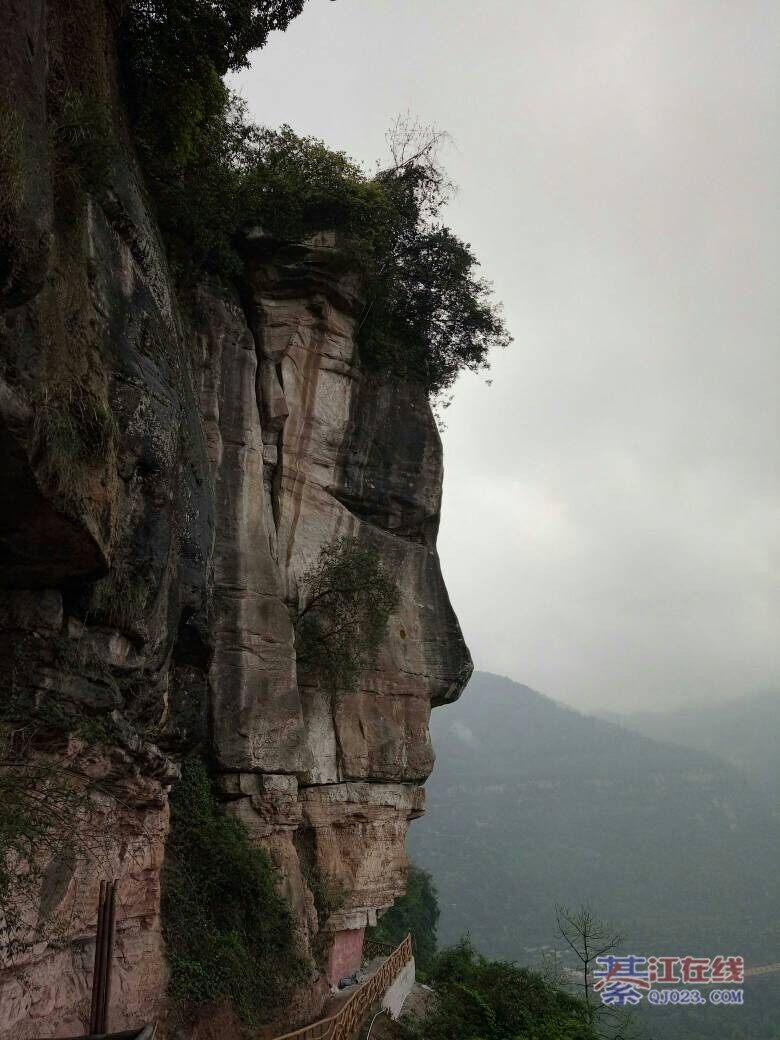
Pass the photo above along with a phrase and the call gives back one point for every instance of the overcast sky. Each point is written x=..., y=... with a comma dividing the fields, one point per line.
x=610, y=532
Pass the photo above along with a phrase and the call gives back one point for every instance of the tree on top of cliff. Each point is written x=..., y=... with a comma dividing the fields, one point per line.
x=428, y=315
x=347, y=602
x=188, y=129
x=175, y=53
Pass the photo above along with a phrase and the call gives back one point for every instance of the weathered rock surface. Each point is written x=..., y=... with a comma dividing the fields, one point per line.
x=45, y=984
x=227, y=441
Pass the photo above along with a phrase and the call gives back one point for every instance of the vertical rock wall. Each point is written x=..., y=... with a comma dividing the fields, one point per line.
x=223, y=444
x=307, y=447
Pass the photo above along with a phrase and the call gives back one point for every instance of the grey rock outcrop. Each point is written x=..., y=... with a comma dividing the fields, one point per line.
x=220, y=442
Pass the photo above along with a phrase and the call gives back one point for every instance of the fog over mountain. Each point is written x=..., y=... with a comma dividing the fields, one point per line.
x=610, y=525
x=745, y=732
x=546, y=806
x=533, y=804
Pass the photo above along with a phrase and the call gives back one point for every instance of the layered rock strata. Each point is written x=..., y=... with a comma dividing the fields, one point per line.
x=170, y=469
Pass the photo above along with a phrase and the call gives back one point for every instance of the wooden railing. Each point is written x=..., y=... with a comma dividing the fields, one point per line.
x=345, y=1023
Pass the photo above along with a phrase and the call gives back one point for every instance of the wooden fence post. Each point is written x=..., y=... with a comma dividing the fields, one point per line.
x=104, y=959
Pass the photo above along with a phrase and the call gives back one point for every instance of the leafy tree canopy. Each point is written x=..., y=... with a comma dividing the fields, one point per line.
x=347, y=600
x=175, y=53
x=480, y=999
x=417, y=911
x=428, y=314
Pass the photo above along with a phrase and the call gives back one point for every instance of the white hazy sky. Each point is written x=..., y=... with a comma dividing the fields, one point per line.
x=610, y=532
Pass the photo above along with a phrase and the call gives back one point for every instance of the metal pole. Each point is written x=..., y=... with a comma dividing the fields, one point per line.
x=96, y=970
x=108, y=958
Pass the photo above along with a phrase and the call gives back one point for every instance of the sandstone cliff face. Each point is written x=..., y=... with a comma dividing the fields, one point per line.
x=150, y=548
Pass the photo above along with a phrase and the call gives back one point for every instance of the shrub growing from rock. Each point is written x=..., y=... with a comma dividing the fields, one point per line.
x=229, y=933
x=496, y=1000
x=347, y=598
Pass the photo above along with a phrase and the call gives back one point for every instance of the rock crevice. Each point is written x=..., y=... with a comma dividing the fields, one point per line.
x=233, y=432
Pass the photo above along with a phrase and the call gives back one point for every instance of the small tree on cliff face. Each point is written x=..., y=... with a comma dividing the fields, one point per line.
x=347, y=600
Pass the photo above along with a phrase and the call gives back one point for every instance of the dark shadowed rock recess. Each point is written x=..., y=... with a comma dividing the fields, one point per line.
x=169, y=468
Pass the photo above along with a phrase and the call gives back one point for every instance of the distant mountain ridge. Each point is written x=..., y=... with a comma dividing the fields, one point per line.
x=532, y=803
x=744, y=732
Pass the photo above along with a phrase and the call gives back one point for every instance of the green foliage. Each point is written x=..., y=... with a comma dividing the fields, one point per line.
x=295, y=186
x=120, y=598
x=480, y=999
x=327, y=898
x=83, y=142
x=348, y=600
x=175, y=52
x=81, y=134
x=17, y=237
x=42, y=806
x=417, y=911
x=431, y=316
x=74, y=429
x=188, y=129
x=229, y=933
x=428, y=315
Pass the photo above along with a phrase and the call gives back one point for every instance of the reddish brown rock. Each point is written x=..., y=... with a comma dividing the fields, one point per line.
x=152, y=583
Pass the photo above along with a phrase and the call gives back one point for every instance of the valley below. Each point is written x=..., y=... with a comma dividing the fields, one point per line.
x=532, y=804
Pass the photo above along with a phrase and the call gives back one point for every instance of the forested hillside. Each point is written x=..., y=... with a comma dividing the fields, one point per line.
x=533, y=804
x=546, y=805
x=745, y=732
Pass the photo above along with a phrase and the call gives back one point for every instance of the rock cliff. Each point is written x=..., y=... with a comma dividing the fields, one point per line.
x=171, y=465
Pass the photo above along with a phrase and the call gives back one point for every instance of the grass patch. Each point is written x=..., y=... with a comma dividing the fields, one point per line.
x=120, y=599
x=11, y=166
x=74, y=430
x=83, y=141
x=21, y=251
x=81, y=136
x=230, y=935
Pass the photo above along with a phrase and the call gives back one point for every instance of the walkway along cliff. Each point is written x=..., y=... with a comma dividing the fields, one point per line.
x=171, y=464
